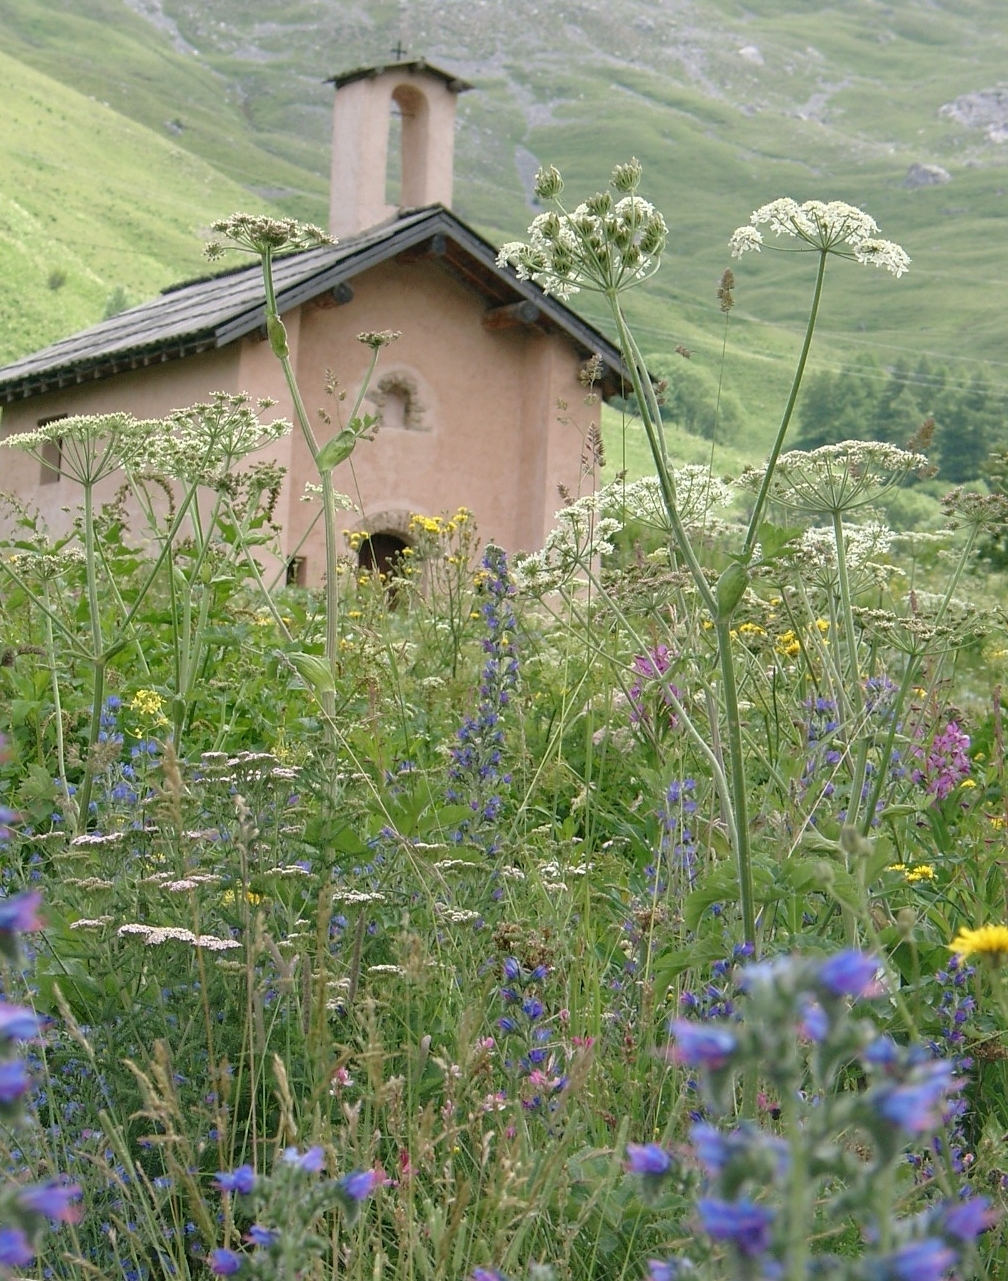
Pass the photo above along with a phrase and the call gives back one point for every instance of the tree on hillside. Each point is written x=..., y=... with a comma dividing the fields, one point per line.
x=867, y=402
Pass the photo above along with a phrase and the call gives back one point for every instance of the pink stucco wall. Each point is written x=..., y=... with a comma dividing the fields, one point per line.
x=489, y=436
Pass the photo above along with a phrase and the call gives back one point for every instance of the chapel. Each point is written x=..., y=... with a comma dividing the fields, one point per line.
x=478, y=404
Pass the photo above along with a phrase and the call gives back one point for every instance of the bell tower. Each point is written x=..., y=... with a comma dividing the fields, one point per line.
x=426, y=98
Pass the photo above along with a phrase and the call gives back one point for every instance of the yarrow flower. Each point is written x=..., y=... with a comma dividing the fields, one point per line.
x=829, y=227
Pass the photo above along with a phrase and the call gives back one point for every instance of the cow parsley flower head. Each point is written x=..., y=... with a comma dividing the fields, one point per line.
x=838, y=478
x=610, y=241
x=259, y=234
x=829, y=227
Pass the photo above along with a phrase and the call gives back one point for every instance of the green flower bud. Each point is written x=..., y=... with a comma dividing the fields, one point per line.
x=600, y=203
x=730, y=589
x=626, y=178
x=548, y=183
x=277, y=337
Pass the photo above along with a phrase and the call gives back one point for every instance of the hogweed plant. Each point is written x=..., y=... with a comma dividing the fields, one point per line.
x=613, y=241
x=201, y=448
x=266, y=238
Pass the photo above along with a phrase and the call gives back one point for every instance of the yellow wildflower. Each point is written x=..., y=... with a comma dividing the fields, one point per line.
x=985, y=940
x=788, y=644
x=148, y=702
x=922, y=872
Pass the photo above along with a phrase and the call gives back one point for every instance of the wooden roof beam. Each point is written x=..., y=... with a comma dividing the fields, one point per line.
x=511, y=315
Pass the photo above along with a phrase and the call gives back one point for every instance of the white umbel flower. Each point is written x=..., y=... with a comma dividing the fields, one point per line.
x=827, y=226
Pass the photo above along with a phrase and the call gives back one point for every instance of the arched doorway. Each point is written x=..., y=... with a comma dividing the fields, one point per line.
x=381, y=553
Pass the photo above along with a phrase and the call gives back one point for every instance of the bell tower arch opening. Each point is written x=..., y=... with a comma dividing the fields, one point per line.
x=393, y=142
x=411, y=110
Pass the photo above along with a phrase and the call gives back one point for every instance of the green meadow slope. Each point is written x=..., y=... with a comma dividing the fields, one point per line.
x=96, y=211
x=727, y=104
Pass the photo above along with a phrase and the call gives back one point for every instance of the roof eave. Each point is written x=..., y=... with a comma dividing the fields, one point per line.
x=423, y=226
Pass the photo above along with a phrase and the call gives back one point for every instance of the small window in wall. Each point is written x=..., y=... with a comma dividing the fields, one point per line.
x=52, y=454
x=297, y=571
x=396, y=397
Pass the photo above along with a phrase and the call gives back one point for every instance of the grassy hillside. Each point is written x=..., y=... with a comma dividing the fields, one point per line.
x=728, y=104
x=95, y=210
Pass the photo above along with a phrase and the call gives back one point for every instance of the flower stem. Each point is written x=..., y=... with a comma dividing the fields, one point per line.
x=736, y=762
x=771, y=463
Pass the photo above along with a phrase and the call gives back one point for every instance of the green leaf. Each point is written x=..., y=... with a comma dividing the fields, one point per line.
x=315, y=671
x=774, y=539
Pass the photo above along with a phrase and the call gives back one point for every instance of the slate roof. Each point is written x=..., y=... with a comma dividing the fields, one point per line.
x=416, y=66
x=213, y=311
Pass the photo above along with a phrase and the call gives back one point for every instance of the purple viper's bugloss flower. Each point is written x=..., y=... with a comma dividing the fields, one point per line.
x=15, y=1081
x=312, y=1161
x=16, y=1251
x=487, y=1274
x=850, y=973
x=694, y=1045
x=359, y=1184
x=667, y=1269
x=258, y=1235
x=927, y=1260
x=52, y=1200
x=241, y=1180
x=19, y=913
x=18, y=1023
x=918, y=1105
x=648, y=1159
x=965, y=1220
x=742, y=1223
x=225, y=1263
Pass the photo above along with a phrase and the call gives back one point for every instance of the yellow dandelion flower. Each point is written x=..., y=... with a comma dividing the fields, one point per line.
x=788, y=645
x=968, y=782
x=823, y=624
x=922, y=872
x=751, y=629
x=986, y=940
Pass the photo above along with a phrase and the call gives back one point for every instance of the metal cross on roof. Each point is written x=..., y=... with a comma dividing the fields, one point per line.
x=399, y=51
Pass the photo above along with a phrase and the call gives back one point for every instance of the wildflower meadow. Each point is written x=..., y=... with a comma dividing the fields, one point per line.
x=632, y=909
